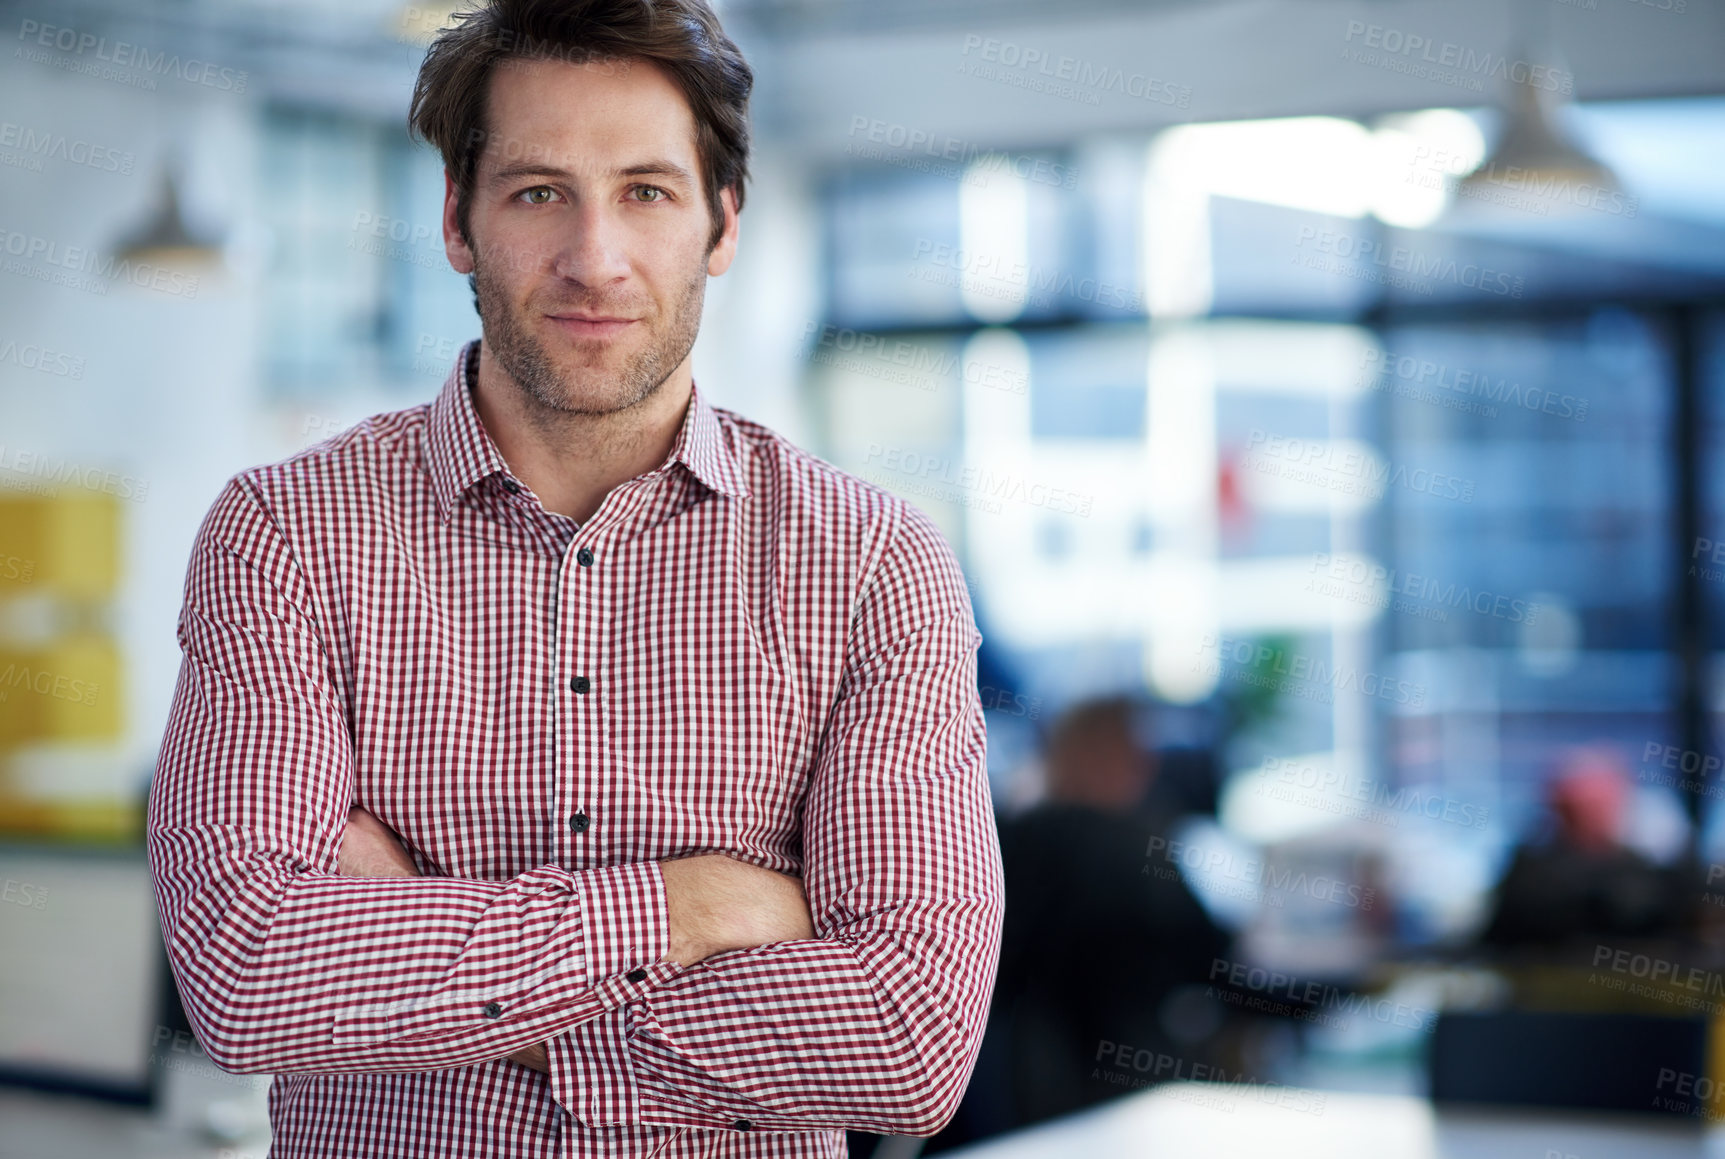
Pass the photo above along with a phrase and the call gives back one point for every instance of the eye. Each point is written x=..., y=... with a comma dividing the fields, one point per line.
x=533, y=195
x=643, y=190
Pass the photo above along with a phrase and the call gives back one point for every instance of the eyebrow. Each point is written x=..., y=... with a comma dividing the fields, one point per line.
x=657, y=168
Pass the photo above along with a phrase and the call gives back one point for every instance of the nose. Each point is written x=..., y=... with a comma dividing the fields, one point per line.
x=590, y=247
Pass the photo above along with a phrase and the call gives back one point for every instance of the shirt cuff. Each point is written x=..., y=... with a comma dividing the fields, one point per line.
x=592, y=1076
x=626, y=925
x=483, y=998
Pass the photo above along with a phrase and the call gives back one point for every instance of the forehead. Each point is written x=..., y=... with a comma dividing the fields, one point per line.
x=575, y=113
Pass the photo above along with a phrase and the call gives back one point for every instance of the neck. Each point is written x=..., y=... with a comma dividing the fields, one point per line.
x=572, y=461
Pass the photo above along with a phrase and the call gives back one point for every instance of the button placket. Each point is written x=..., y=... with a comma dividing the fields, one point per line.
x=579, y=710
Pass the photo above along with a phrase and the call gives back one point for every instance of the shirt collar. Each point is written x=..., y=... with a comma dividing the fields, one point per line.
x=460, y=452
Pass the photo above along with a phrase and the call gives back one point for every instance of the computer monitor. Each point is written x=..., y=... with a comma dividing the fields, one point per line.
x=81, y=971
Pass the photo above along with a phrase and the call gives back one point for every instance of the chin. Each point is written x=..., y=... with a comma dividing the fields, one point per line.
x=593, y=389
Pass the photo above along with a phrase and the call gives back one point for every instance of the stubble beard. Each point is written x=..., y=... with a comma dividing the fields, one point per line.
x=594, y=389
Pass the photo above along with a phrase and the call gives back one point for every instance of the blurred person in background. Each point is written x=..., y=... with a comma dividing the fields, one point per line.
x=1096, y=945
x=1581, y=879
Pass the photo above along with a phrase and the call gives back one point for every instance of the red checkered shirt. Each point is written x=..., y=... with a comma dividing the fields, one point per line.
x=744, y=650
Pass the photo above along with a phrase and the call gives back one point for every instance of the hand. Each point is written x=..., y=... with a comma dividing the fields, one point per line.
x=369, y=848
x=533, y=1058
x=716, y=902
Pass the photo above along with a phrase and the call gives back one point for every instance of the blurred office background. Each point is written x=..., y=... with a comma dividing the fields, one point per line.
x=1324, y=398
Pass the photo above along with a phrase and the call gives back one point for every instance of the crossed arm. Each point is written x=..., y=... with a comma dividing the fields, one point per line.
x=679, y=993
x=713, y=902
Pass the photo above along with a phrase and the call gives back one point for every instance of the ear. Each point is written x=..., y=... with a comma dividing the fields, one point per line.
x=720, y=259
x=454, y=245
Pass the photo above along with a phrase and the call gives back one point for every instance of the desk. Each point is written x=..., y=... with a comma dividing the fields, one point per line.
x=1223, y=1121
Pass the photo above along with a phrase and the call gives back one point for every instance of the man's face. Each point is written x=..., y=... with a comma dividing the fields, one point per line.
x=588, y=231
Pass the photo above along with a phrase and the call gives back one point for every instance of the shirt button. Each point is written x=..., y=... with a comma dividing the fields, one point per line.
x=512, y=486
x=636, y=975
x=581, y=684
x=743, y=1125
x=493, y=1009
x=584, y=557
x=579, y=822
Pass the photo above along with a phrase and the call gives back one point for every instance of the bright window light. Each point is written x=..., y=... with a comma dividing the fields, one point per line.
x=1403, y=172
x=1322, y=164
x=1418, y=158
x=994, y=236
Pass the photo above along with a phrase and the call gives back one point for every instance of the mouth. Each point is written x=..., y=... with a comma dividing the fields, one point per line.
x=590, y=325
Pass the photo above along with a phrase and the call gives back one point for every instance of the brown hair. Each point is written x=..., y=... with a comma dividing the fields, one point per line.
x=683, y=37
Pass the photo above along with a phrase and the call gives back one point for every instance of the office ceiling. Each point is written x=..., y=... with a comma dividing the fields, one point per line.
x=823, y=62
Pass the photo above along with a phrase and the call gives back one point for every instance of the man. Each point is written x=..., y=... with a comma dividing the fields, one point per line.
x=1086, y=901
x=1582, y=882
x=569, y=766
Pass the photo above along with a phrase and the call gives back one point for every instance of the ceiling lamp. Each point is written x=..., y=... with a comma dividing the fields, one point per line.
x=164, y=240
x=1535, y=166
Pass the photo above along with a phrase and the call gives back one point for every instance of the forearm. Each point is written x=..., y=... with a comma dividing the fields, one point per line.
x=875, y=1031
x=286, y=970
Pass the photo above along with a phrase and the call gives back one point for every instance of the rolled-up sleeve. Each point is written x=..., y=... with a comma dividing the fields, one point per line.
x=284, y=966
x=875, y=1023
